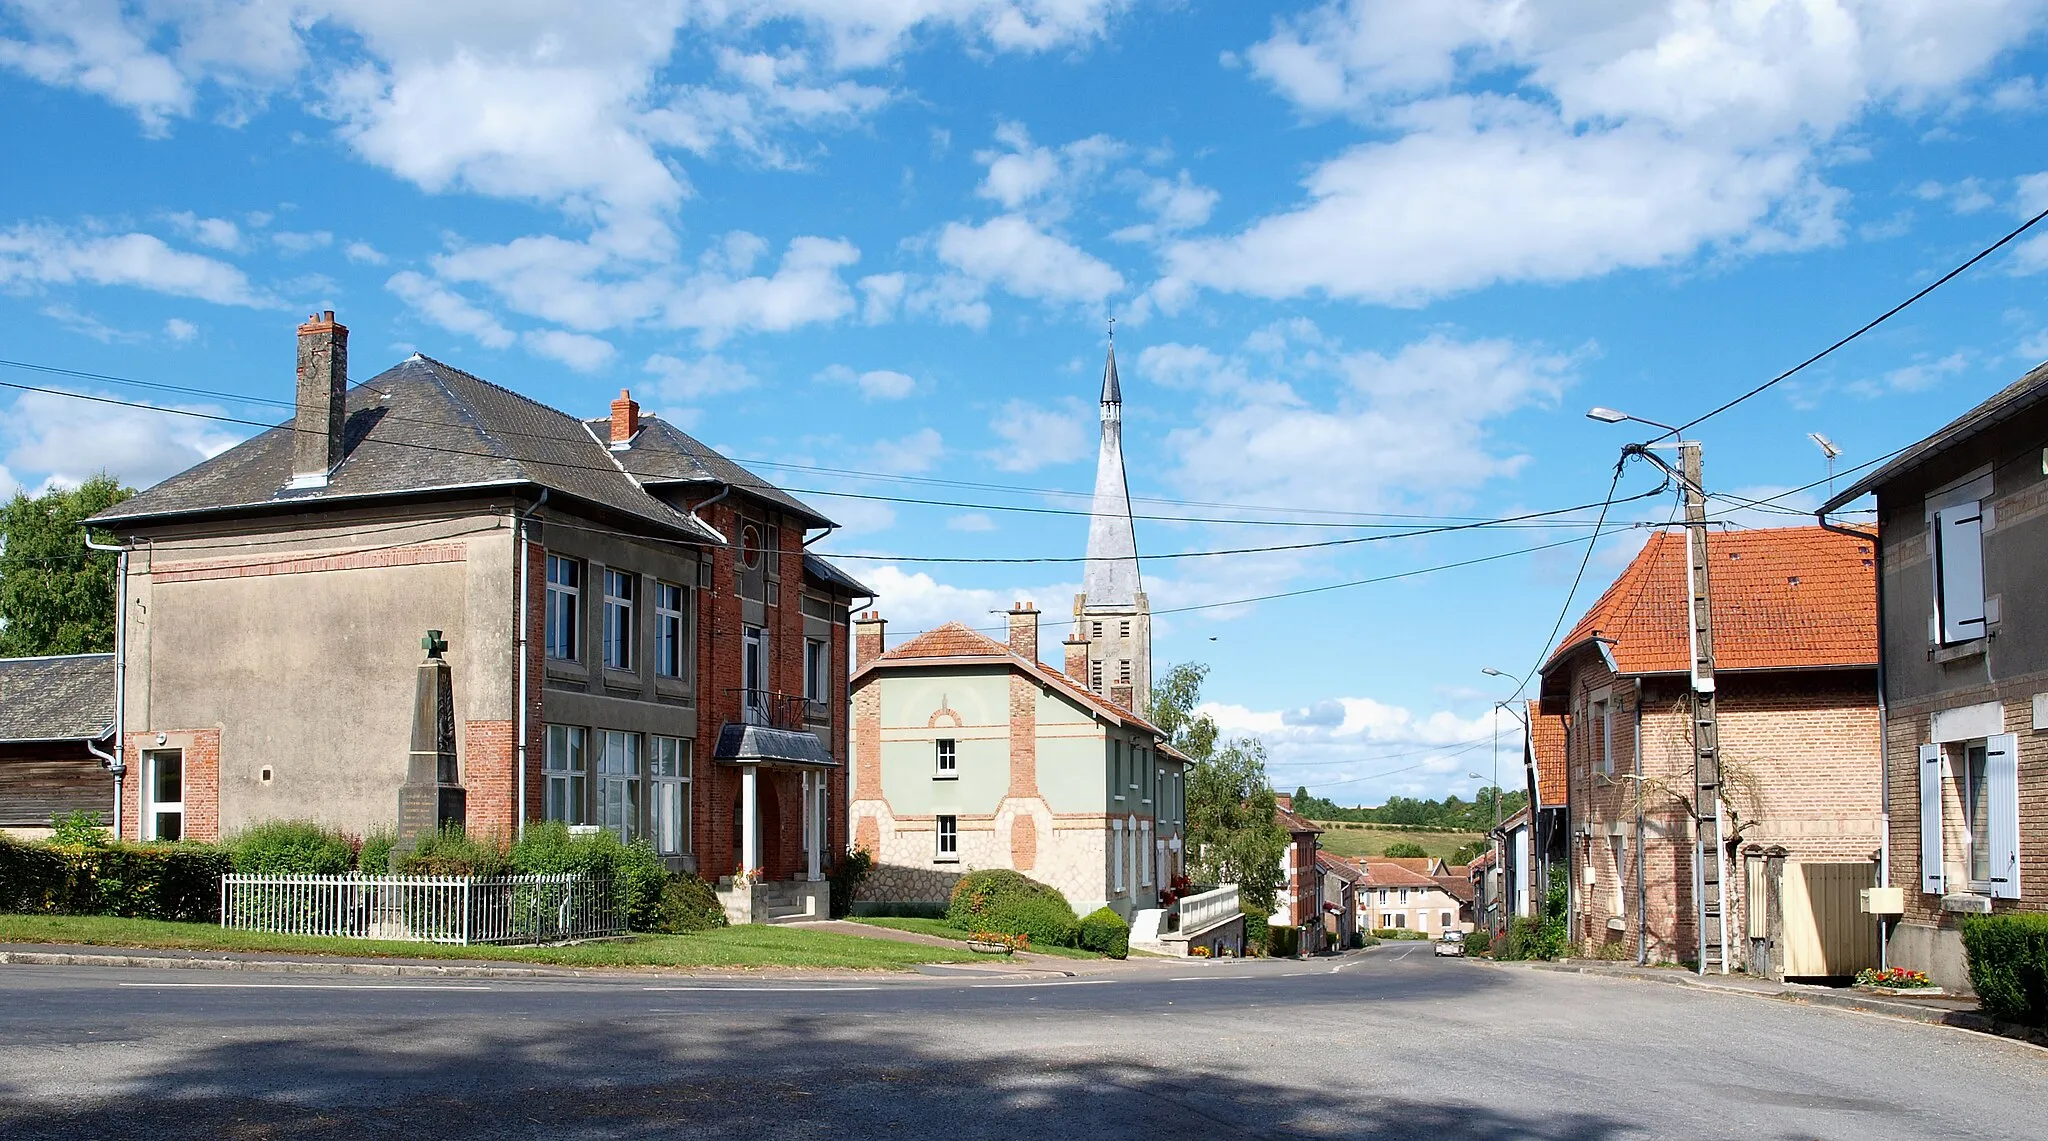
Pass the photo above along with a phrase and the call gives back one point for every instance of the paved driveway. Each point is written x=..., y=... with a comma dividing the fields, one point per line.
x=1394, y=1043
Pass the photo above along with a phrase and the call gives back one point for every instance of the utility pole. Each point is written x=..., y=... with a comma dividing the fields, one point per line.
x=1709, y=859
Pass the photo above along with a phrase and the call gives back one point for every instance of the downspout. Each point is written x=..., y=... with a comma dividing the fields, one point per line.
x=1884, y=760
x=520, y=540
x=116, y=761
x=1642, y=899
x=708, y=527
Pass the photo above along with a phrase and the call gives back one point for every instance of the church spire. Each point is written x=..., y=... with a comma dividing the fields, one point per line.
x=1111, y=578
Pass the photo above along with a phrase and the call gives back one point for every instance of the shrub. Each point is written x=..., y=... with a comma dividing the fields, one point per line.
x=291, y=848
x=1398, y=933
x=453, y=852
x=635, y=872
x=148, y=881
x=1254, y=930
x=1405, y=850
x=80, y=828
x=374, y=857
x=1479, y=941
x=848, y=872
x=1283, y=942
x=2008, y=958
x=1103, y=930
x=687, y=904
x=1001, y=900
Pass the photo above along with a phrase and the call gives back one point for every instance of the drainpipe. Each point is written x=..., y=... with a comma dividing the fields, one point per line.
x=1884, y=760
x=708, y=527
x=525, y=607
x=116, y=761
x=1642, y=922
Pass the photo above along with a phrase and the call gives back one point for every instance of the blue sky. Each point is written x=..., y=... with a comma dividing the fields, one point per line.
x=1368, y=259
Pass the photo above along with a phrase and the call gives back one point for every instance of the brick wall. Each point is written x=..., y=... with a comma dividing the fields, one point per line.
x=201, y=749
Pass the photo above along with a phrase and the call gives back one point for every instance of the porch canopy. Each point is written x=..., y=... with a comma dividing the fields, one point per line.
x=750, y=748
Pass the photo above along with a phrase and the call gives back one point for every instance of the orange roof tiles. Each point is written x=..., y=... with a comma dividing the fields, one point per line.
x=1546, y=750
x=1784, y=598
x=954, y=640
x=1387, y=873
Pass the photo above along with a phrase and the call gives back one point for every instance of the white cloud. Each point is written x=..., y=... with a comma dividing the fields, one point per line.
x=1358, y=750
x=8, y=484
x=1923, y=373
x=302, y=242
x=219, y=233
x=1034, y=436
x=66, y=441
x=914, y=601
x=806, y=288
x=579, y=351
x=92, y=48
x=179, y=329
x=48, y=255
x=918, y=452
x=449, y=310
x=1043, y=181
x=875, y=384
x=1013, y=253
x=1176, y=204
x=971, y=521
x=363, y=253
x=690, y=380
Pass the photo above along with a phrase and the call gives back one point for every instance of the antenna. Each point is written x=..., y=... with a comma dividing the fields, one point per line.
x=1827, y=448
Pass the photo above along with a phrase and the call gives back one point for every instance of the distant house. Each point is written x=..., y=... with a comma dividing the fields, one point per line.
x=1299, y=902
x=1343, y=880
x=1396, y=896
x=638, y=639
x=1959, y=566
x=56, y=725
x=970, y=753
x=1796, y=669
x=1532, y=840
x=1456, y=880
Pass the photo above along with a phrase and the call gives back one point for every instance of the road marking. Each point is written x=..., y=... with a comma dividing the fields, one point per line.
x=307, y=986
x=766, y=989
x=1064, y=982
x=1202, y=978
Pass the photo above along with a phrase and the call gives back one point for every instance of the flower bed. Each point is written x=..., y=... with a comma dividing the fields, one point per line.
x=1897, y=981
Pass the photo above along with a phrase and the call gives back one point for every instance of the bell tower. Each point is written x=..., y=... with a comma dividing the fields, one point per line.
x=1111, y=614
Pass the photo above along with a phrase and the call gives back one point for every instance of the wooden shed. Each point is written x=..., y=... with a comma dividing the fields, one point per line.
x=52, y=712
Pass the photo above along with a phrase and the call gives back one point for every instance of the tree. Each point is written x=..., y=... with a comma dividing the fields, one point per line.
x=1232, y=835
x=1467, y=853
x=1405, y=850
x=56, y=597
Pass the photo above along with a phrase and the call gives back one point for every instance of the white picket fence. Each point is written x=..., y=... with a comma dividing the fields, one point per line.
x=423, y=909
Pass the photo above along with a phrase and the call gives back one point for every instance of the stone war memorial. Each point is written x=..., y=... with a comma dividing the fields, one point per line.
x=432, y=796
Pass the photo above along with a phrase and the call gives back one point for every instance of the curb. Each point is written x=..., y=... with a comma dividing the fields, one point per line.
x=280, y=966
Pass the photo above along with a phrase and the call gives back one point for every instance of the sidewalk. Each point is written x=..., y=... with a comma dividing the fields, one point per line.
x=1961, y=1013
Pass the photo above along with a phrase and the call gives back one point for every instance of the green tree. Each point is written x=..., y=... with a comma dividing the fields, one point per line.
x=1232, y=836
x=1406, y=850
x=56, y=597
x=1469, y=852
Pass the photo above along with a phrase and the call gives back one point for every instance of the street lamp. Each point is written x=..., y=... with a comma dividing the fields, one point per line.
x=1611, y=416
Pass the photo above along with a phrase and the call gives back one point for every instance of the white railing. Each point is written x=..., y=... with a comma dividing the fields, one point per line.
x=1200, y=912
x=423, y=909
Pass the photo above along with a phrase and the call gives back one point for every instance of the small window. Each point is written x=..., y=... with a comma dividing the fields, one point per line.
x=563, y=767
x=1097, y=636
x=1116, y=834
x=948, y=758
x=165, y=817
x=618, y=619
x=1444, y=920
x=670, y=630
x=1976, y=796
x=1959, y=571
x=1603, y=741
x=1095, y=676
x=817, y=670
x=1404, y=895
x=949, y=839
x=564, y=608
x=1618, y=900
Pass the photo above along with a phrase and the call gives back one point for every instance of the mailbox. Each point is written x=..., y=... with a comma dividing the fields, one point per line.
x=1883, y=900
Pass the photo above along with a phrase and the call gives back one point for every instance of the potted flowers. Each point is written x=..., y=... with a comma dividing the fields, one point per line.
x=997, y=942
x=1898, y=982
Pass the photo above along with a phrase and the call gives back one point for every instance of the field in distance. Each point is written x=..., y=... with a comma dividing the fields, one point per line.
x=1347, y=839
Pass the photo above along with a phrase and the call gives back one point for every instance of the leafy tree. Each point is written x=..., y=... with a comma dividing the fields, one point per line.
x=1406, y=850
x=1232, y=836
x=1469, y=852
x=56, y=597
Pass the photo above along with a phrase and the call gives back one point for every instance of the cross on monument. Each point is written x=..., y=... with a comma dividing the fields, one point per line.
x=433, y=644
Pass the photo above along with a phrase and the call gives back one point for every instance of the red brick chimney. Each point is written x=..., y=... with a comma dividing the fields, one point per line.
x=625, y=419
x=322, y=400
x=1024, y=631
x=867, y=637
x=1077, y=659
x=1284, y=801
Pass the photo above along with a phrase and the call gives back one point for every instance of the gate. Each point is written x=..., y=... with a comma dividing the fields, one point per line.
x=1826, y=933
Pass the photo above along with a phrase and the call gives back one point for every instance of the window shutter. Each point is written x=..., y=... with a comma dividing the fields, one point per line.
x=2002, y=781
x=1930, y=820
x=1961, y=564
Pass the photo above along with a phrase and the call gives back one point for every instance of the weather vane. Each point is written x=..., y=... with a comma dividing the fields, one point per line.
x=1112, y=328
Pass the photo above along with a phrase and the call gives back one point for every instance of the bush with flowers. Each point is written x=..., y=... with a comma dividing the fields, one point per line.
x=1896, y=978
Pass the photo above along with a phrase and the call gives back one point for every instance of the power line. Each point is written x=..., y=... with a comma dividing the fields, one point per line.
x=1571, y=595
x=1880, y=319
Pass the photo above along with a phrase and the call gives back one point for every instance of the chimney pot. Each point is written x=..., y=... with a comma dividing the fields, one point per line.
x=1024, y=631
x=322, y=404
x=868, y=634
x=625, y=419
x=1077, y=659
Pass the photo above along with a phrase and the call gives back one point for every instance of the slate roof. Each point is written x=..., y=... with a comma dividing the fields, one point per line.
x=1784, y=598
x=2006, y=403
x=68, y=698
x=419, y=426
x=817, y=569
x=661, y=453
x=1546, y=752
x=953, y=641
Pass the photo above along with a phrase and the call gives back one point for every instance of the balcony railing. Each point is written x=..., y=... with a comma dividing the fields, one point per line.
x=774, y=710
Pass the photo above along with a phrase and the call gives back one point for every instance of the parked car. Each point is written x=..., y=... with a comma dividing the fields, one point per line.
x=1451, y=943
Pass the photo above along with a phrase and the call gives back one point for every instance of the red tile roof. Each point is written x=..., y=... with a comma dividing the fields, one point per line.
x=1283, y=813
x=955, y=641
x=1546, y=751
x=1387, y=873
x=1458, y=887
x=1339, y=866
x=1784, y=598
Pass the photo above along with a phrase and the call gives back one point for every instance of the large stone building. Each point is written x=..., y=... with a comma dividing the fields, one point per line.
x=637, y=638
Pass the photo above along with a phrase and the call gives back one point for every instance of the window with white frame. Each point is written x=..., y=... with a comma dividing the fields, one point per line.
x=1981, y=779
x=1404, y=895
x=1959, y=571
x=618, y=789
x=618, y=619
x=668, y=767
x=164, y=818
x=564, y=611
x=1383, y=897
x=563, y=769
x=947, y=763
x=1602, y=744
x=949, y=839
x=671, y=629
x=754, y=675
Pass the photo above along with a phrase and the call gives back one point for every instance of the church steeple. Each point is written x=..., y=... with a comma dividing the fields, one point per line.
x=1111, y=613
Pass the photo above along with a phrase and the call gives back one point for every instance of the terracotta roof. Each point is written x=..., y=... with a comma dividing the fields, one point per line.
x=1339, y=866
x=1546, y=752
x=1387, y=873
x=1480, y=862
x=1458, y=887
x=1424, y=865
x=1284, y=815
x=954, y=641
x=1784, y=598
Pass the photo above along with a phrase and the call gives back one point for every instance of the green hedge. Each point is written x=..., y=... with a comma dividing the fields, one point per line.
x=1103, y=931
x=1015, y=904
x=291, y=848
x=2008, y=958
x=686, y=904
x=1283, y=942
x=144, y=881
x=1398, y=933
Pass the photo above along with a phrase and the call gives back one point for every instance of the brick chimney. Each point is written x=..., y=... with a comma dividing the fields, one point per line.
x=1077, y=658
x=1284, y=801
x=322, y=400
x=1121, y=695
x=625, y=419
x=1024, y=630
x=867, y=638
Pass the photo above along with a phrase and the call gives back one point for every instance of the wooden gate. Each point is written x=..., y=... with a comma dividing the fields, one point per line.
x=1826, y=932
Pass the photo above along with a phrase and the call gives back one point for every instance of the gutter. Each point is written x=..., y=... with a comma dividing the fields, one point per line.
x=116, y=761
x=520, y=542
x=1884, y=761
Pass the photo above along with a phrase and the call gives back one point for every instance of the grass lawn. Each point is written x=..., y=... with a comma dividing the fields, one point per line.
x=750, y=946
x=945, y=930
x=1345, y=839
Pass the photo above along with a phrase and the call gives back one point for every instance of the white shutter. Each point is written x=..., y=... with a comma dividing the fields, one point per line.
x=1930, y=820
x=1960, y=559
x=2002, y=781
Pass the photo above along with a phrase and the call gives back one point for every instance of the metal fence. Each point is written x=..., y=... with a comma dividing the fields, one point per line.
x=424, y=909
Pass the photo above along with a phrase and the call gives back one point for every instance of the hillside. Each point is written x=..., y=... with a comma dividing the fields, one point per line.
x=1348, y=839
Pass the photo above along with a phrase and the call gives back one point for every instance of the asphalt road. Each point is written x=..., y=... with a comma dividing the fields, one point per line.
x=1389, y=1044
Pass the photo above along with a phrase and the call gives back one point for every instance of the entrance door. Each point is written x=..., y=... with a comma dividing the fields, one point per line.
x=164, y=816
x=754, y=674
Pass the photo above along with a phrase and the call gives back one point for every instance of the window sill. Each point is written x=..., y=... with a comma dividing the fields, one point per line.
x=945, y=859
x=945, y=776
x=1960, y=651
x=1967, y=902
